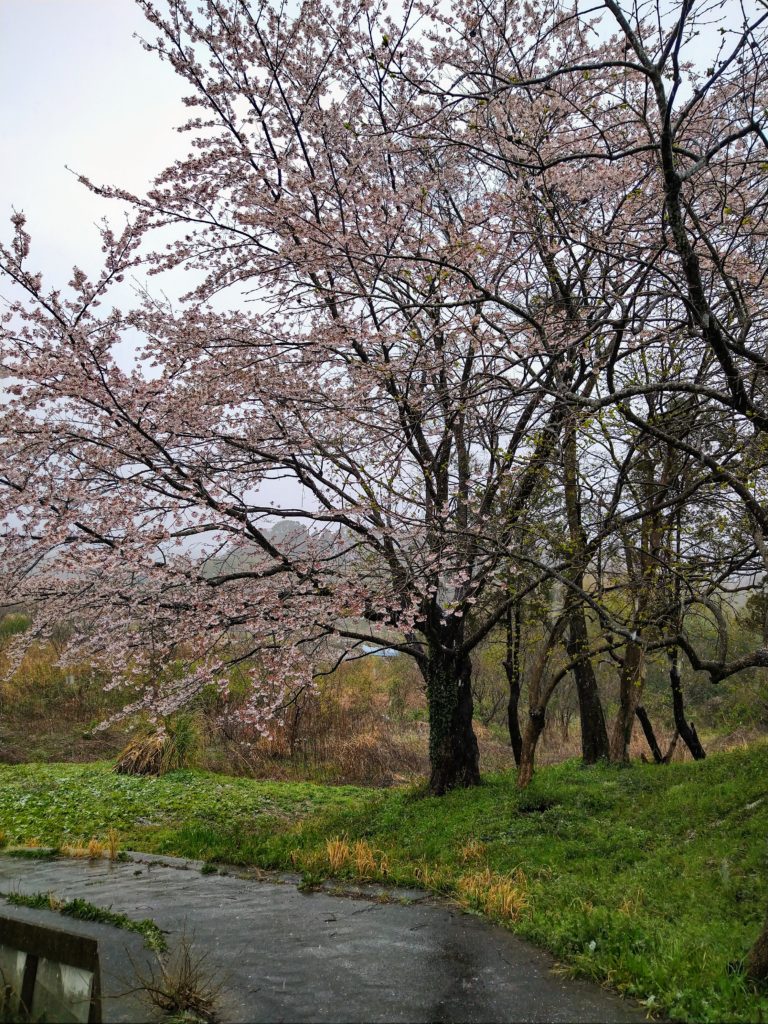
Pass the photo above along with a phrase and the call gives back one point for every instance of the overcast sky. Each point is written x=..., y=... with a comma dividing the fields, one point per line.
x=78, y=90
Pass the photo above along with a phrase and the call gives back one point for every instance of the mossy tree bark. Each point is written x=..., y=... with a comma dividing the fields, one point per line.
x=453, y=751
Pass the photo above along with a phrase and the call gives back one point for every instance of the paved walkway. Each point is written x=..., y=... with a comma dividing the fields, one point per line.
x=285, y=955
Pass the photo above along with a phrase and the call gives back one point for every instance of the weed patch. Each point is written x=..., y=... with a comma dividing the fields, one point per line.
x=181, y=987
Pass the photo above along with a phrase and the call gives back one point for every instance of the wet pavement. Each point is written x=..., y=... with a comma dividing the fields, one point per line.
x=281, y=954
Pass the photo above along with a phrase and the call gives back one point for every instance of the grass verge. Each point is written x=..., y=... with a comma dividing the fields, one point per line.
x=649, y=879
x=82, y=910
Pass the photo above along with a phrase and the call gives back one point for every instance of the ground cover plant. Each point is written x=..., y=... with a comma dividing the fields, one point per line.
x=650, y=879
x=62, y=803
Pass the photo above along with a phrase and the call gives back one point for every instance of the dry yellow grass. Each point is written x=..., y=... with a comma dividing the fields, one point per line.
x=364, y=859
x=361, y=859
x=113, y=845
x=505, y=896
x=473, y=850
x=144, y=755
x=95, y=849
x=77, y=850
x=338, y=853
x=91, y=850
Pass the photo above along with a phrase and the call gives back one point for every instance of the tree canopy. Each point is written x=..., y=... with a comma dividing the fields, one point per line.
x=476, y=292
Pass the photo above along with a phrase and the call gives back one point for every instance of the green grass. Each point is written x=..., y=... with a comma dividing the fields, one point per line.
x=651, y=879
x=58, y=803
x=82, y=910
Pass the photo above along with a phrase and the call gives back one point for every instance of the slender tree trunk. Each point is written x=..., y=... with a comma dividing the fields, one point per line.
x=453, y=752
x=686, y=729
x=630, y=692
x=650, y=735
x=512, y=668
x=539, y=694
x=594, y=734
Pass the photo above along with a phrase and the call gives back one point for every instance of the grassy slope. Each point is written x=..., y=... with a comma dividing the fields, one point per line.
x=652, y=879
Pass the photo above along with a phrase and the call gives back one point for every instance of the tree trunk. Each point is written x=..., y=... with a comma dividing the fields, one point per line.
x=512, y=668
x=650, y=735
x=594, y=735
x=536, y=721
x=539, y=695
x=687, y=730
x=453, y=752
x=757, y=959
x=630, y=691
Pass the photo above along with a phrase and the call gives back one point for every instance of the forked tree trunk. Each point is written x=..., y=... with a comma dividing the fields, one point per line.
x=540, y=693
x=630, y=692
x=534, y=727
x=453, y=751
x=650, y=736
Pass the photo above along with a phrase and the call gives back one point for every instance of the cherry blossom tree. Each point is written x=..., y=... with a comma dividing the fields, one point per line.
x=424, y=251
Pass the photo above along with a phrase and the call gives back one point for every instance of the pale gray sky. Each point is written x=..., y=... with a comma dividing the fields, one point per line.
x=78, y=90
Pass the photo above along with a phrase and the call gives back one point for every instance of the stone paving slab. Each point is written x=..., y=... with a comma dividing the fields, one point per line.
x=286, y=955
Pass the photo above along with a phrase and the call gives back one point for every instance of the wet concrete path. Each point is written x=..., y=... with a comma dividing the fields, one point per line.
x=286, y=955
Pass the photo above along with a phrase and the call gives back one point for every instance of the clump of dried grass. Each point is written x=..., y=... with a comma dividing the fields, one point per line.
x=338, y=853
x=472, y=850
x=92, y=850
x=143, y=755
x=359, y=859
x=113, y=844
x=364, y=859
x=505, y=896
x=163, y=748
